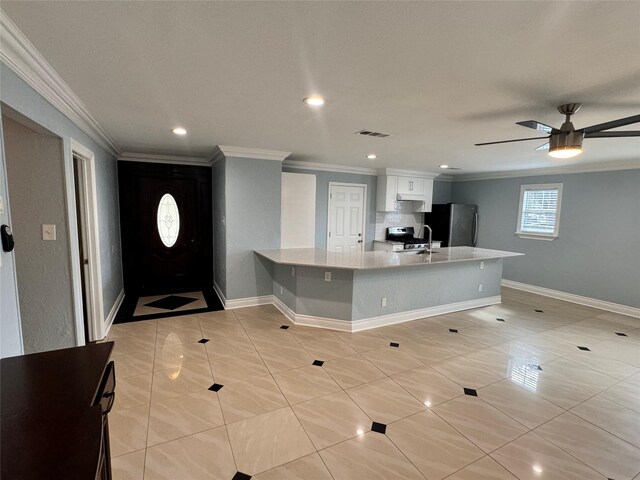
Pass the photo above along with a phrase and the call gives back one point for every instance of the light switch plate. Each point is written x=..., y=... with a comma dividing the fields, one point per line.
x=327, y=276
x=48, y=232
x=1, y=205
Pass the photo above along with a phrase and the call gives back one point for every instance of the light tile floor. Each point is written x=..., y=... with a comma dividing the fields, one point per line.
x=533, y=388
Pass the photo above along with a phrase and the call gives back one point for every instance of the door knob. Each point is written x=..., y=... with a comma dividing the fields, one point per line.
x=359, y=241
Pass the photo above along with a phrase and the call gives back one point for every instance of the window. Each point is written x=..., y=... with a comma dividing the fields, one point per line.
x=539, y=211
x=168, y=220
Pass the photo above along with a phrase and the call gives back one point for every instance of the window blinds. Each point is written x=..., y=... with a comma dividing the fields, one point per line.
x=539, y=208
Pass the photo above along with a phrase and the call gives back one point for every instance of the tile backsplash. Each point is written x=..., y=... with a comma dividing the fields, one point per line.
x=402, y=217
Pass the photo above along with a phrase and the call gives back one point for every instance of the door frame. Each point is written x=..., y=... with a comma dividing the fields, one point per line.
x=364, y=210
x=95, y=303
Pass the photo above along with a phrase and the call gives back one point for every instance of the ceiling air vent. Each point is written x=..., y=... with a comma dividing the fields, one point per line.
x=369, y=133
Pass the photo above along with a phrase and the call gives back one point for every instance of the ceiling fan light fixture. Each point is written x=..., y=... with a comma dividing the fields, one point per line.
x=566, y=144
x=565, y=152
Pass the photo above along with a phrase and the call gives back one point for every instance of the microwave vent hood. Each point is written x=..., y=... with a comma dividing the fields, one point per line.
x=411, y=197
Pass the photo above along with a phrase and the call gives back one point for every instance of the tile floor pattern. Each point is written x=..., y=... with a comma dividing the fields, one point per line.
x=169, y=303
x=510, y=395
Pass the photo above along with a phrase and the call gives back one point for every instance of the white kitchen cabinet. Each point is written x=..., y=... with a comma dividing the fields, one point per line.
x=410, y=185
x=394, y=183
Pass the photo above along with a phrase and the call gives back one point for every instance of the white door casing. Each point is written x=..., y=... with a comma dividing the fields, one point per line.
x=93, y=274
x=346, y=217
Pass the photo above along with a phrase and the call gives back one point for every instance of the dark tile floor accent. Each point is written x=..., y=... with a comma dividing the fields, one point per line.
x=241, y=476
x=620, y=334
x=203, y=340
x=586, y=349
x=318, y=363
x=500, y=319
x=171, y=302
x=284, y=327
x=471, y=392
x=378, y=427
x=394, y=344
x=539, y=311
x=453, y=330
x=215, y=387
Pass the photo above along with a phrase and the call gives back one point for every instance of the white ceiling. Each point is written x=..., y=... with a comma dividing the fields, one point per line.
x=439, y=76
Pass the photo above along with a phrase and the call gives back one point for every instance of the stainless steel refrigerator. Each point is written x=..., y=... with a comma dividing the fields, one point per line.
x=454, y=224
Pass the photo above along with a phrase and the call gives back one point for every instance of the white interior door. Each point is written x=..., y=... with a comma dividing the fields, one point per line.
x=298, y=211
x=346, y=217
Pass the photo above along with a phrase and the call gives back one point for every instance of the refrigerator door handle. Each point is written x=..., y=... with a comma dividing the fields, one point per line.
x=475, y=229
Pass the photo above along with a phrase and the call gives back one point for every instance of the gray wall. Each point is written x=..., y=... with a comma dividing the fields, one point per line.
x=442, y=191
x=219, y=230
x=20, y=97
x=252, y=191
x=322, y=199
x=10, y=328
x=597, y=253
x=35, y=170
x=413, y=288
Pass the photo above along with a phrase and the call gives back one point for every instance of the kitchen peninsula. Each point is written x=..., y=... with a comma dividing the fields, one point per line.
x=358, y=291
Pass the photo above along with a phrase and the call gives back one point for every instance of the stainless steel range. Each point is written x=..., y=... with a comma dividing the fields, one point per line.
x=401, y=239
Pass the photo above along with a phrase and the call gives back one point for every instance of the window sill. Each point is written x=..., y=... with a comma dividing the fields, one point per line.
x=536, y=236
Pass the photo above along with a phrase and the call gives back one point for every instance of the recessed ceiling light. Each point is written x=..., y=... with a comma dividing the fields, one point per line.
x=179, y=131
x=372, y=156
x=444, y=166
x=314, y=100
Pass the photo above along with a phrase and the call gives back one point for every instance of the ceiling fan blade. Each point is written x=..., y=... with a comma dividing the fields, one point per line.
x=627, y=133
x=510, y=141
x=543, y=147
x=541, y=127
x=613, y=124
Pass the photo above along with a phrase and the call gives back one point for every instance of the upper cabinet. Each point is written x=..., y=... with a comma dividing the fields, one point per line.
x=410, y=185
x=394, y=186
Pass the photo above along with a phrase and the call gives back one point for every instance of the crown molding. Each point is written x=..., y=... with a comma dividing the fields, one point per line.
x=19, y=54
x=256, y=153
x=445, y=177
x=328, y=167
x=215, y=156
x=153, y=158
x=411, y=173
x=564, y=170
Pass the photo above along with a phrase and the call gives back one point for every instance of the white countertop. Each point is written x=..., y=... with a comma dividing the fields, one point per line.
x=312, y=257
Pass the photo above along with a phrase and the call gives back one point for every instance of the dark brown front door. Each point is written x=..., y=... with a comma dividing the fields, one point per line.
x=165, y=219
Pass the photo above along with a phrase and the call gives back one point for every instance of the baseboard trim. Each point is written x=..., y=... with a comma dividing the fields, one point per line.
x=375, y=322
x=570, y=297
x=112, y=313
x=221, y=296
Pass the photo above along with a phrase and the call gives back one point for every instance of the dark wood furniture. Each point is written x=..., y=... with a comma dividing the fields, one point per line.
x=54, y=408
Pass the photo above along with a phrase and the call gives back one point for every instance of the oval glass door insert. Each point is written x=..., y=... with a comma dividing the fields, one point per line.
x=168, y=220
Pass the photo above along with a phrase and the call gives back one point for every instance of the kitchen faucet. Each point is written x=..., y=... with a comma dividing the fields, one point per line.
x=430, y=234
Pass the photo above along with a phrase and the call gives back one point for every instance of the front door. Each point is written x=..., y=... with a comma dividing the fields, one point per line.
x=346, y=218
x=166, y=227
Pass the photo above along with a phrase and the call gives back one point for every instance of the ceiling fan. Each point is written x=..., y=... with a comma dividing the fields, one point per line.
x=566, y=142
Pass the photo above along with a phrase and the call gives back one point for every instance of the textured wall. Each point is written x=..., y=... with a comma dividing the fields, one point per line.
x=252, y=190
x=322, y=199
x=20, y=97
x=421, y=287
x=219, y=229
x=597, y=253
x=36, y=181
x=442, y=191
x=318, y=298
x=10, y=328
x=357, y=294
